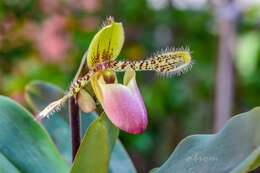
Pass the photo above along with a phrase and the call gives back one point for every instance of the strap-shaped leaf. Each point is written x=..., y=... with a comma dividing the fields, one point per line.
x=235, y=149
x=7, y=166
x=106, y=44
x=25, y=144
x=94, y=152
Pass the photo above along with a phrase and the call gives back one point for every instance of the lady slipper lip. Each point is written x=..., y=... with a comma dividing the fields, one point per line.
x=124, y=105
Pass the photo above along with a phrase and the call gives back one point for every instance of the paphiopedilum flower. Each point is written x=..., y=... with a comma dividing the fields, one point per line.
x=122, y=103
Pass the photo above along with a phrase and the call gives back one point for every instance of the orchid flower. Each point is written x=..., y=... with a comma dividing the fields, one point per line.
x=122, y=103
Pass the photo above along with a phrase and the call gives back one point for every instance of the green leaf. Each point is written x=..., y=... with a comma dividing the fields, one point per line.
x=6, y=166
x=93, y=154
x=235, y=149
x=120, y=161
x=24, y=145
x=106, y=44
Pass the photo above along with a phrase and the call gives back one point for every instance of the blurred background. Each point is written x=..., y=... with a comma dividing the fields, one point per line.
x=46, y=39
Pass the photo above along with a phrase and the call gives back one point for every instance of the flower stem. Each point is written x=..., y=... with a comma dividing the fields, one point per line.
x=74, y=110
x=74, y=125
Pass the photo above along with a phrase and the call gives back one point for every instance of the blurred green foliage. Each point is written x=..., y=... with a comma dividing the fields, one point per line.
x=45, y=40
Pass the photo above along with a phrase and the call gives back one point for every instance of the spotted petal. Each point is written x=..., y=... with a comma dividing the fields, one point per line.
x=124, y=105
x=106, y=44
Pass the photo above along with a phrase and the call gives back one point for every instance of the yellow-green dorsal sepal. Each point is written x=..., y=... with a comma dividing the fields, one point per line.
x=106, y=44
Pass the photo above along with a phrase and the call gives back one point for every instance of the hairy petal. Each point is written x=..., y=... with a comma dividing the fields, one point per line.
x=124, y=106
